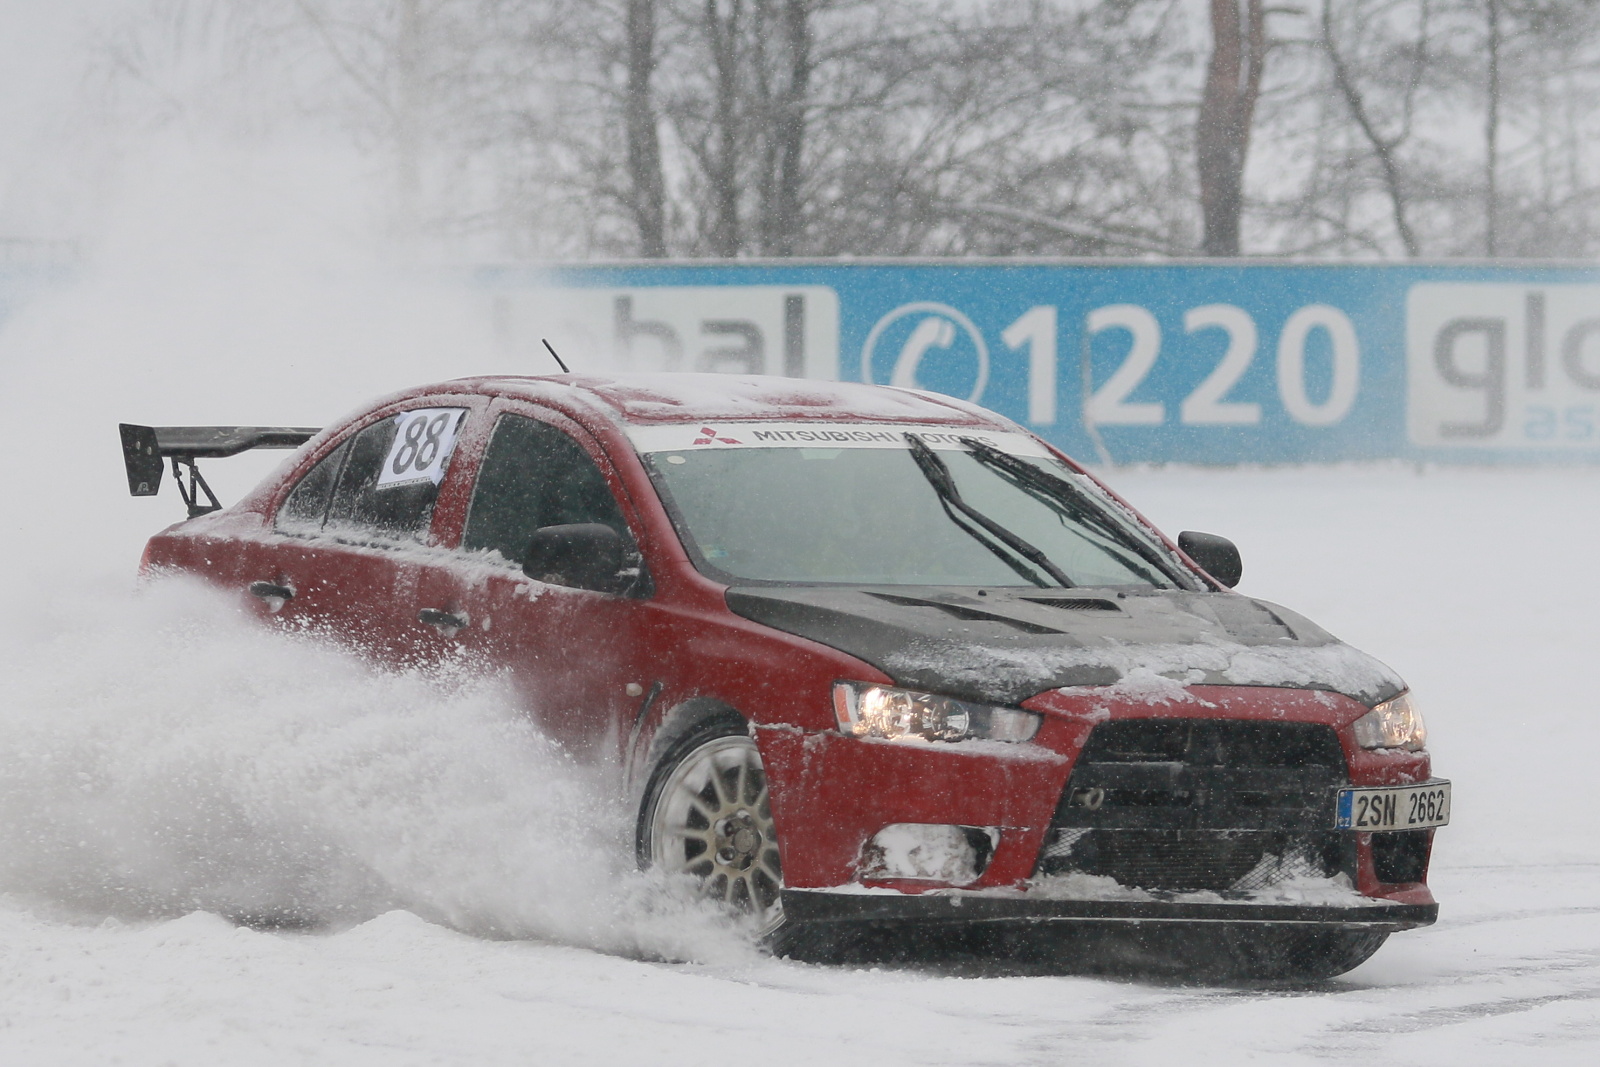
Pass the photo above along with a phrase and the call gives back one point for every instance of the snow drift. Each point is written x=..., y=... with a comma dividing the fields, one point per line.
x=161, y=752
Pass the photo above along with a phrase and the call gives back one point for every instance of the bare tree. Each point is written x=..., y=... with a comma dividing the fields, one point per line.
x=904, y=127
x=752, y=127
x=1491, y=128
x=1222, y=134
x=648, y=185
x=1384, y=147
x=787, y=116
x=741, y=103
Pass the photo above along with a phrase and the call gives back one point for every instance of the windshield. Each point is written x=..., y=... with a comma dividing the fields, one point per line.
x=876, y=516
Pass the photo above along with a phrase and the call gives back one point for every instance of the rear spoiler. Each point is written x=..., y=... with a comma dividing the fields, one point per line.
x=145, y=447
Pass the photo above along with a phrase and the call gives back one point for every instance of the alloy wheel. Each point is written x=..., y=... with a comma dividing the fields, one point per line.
x=712, y=822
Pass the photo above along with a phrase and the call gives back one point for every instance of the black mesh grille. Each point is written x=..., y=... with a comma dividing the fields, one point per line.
x=1185, y=804
x=1182, y=860
x=1216, y=742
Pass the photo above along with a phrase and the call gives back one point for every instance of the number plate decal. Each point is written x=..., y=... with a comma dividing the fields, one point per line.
x=423, y=441
x=1404, y=807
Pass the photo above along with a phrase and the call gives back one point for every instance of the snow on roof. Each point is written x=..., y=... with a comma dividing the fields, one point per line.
x=689, y=397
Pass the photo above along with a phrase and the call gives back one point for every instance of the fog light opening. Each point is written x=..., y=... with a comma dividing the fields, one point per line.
x=932, y=852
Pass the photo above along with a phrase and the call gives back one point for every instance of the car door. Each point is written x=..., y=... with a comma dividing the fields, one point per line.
x=352, y=544
x=572, y=653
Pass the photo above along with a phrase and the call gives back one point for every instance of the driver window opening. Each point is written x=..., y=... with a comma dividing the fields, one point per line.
x=534, y=475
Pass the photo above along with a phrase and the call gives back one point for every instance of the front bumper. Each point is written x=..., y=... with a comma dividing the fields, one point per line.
x=812, y=907
x=1181, y=821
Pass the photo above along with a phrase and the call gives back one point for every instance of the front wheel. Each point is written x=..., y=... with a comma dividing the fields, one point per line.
x=707, y=817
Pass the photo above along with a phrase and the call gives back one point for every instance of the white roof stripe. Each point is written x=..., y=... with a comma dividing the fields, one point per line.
x=689, y=437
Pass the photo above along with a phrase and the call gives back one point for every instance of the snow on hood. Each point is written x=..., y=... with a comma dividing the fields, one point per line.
x=1158, y=673
x=1010, y=645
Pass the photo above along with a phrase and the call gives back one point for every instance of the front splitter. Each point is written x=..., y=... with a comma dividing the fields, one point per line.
x=812, y=906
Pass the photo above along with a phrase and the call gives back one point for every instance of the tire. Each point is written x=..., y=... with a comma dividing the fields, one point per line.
x=706, y=817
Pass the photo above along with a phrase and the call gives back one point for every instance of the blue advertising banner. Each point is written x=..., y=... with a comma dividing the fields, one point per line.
x=1132, y=362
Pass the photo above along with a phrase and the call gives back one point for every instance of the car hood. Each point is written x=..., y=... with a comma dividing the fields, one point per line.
x=1004, y=646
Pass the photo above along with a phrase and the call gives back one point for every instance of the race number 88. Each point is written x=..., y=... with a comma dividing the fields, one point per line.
x=421, y=444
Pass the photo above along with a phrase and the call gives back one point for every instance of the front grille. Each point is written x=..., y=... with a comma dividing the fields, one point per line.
x=1184, y=860
x=1216, y=742
x=1188, y=804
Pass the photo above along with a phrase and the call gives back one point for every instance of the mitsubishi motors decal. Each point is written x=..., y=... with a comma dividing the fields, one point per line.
x=708, y=436
x=692, y=436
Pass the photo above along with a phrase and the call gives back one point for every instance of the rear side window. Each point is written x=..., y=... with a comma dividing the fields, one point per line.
x=306, y=507
x=534, y=475
x=382, y=483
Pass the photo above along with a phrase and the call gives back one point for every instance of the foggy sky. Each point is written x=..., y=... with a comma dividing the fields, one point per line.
x=44, y=61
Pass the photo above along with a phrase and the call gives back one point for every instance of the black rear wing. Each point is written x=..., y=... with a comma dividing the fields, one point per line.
x=144, y=448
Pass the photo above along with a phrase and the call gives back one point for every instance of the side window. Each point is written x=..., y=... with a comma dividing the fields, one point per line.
x=305, y=509
x=381, y=484
x=534, y=475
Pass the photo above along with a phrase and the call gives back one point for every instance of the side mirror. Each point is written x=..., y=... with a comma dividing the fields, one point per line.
x=1217, y=556
x=583, y=555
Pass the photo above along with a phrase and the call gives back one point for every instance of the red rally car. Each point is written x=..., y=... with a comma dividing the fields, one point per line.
x=862, y=655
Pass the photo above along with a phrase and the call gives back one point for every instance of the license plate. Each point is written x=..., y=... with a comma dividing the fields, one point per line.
x=1402, y=807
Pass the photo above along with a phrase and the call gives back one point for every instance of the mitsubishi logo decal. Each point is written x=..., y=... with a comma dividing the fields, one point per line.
x=708, y=435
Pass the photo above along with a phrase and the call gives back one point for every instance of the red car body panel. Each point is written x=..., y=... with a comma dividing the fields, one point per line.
x=602, y=673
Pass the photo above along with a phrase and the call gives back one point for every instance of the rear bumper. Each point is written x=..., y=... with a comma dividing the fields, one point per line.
x=810, y=907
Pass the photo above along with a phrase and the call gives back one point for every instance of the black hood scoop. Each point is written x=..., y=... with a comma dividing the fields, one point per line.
x=968, y=614
x=1004, y=646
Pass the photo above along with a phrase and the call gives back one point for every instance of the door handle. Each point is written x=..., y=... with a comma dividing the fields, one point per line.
x=447, y=622
x=274, y=594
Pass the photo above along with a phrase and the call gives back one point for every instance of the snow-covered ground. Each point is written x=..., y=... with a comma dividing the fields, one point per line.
x=1477, y=585
x=1511, y=974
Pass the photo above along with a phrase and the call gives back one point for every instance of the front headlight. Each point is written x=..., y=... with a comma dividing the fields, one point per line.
x=867, y=710
x=1393, y=724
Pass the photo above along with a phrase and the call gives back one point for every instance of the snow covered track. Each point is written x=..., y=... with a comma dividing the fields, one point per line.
x=1494, y=984
x=1475, y=585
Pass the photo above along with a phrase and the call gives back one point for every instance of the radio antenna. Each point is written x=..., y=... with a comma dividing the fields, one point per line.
x=558, y=359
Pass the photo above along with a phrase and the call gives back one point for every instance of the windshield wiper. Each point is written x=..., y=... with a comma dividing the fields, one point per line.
x=933, y=468
x=1064, y=495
